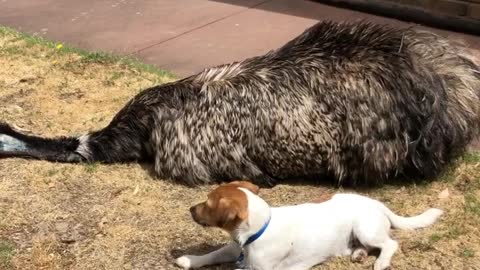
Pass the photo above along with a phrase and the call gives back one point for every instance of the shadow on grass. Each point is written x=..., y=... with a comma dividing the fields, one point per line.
x=330, y=182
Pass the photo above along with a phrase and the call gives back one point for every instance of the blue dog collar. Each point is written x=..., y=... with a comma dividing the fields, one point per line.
x=252, y=239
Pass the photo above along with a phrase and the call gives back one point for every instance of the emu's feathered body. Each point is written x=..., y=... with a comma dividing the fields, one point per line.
x=359, y=102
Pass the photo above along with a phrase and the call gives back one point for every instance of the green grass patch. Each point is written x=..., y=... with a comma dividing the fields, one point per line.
x=435, y=237
x=7, y=250
x=455, y=231
x=87, y=56
x=448, y=175
x=467, y=253
x=472, y=204
x=116, y=75
x=473, y=157
x=91, y=167
x=468, y=158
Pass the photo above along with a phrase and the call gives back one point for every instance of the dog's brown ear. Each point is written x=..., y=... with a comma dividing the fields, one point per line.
x=229, y=214
x=247, y=185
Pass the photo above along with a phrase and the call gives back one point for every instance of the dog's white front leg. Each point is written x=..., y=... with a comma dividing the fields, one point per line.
x=227, y=253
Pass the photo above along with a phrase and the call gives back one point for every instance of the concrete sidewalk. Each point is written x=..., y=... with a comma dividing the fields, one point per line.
x=182, y=36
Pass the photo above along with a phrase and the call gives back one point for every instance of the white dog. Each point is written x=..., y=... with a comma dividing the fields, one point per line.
x=301, y=236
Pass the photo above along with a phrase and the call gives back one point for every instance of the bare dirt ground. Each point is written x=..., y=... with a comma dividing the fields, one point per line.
x=61, y=216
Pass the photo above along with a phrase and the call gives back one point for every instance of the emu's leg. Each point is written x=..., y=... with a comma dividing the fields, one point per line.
x=16, y=144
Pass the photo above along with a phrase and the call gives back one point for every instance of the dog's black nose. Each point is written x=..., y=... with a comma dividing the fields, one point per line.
x=192, y=209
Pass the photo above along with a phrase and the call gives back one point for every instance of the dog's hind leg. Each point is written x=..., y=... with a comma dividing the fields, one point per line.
x=372, y=231
x=387, y=249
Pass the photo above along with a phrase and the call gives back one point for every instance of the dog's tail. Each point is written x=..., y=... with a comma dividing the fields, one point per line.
x=108, y=145
x=423, y=220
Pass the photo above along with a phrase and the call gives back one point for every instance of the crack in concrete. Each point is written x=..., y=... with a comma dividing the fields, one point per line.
x=199, y=27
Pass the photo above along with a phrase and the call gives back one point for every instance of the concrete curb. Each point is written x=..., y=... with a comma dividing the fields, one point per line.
x=410, y=14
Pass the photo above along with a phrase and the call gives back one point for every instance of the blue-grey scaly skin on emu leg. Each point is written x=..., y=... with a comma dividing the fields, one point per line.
x=10, y=144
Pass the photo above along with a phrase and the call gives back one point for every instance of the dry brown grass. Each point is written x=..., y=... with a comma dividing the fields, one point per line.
x=61, y=216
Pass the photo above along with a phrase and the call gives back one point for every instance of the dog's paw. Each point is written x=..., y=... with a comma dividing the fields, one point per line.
x=184, y=262
x=359, y=255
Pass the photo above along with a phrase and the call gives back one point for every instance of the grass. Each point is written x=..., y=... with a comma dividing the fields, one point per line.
x=435, y=237
x=91, y=167
x=87, y=56
x=96, y=216
x=7, y=251
x=472, y=203
x=468, y=253
x=471, y=158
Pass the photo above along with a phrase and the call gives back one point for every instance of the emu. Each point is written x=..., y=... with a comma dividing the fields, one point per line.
x=356, y=102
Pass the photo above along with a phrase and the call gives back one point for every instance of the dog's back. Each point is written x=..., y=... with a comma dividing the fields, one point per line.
x=358, y=207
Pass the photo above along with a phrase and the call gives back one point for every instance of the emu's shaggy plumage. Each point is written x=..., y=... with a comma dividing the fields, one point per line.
x=356, y=101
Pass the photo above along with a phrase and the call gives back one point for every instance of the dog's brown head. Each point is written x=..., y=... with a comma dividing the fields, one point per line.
x=226, y=206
